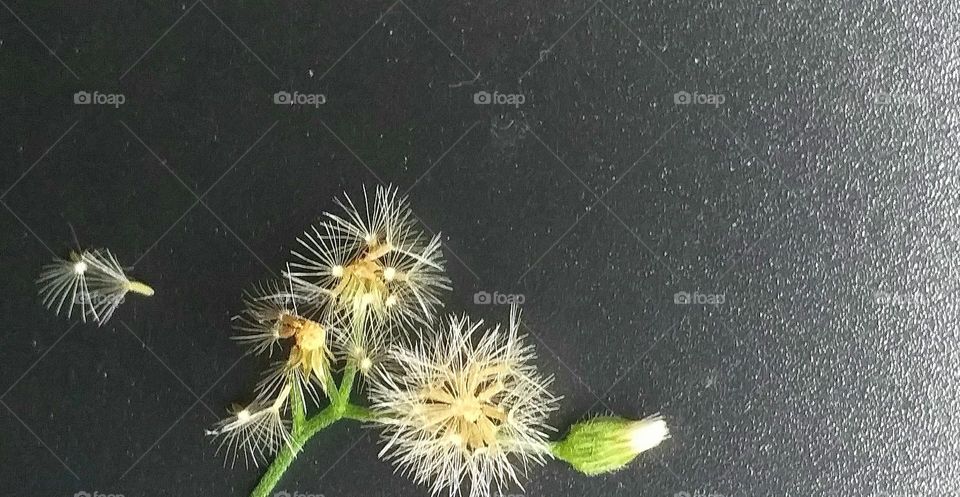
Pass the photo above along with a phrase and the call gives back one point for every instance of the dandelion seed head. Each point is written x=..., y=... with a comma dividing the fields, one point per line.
x=465, y=407
x=79, y=267
x=359, y=257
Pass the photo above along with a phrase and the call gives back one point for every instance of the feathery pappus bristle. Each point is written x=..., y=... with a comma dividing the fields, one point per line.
x=464, y=406
x=269, y=308
x=256, y=431
x=93, y=281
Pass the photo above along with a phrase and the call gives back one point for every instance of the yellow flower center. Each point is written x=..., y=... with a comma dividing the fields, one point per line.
x=311, y=336
x=362, y=285
x=465, y=409
x=310, y=353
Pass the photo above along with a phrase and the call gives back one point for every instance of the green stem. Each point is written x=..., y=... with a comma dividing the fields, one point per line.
x=298, y=408
x=332, y=390
x=285, y=457
x=359, y=413
x=346, y=384
x=304, y=429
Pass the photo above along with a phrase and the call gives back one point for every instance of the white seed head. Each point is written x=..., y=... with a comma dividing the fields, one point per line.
x=371, y=249
x=465, y=404
x=79, y=267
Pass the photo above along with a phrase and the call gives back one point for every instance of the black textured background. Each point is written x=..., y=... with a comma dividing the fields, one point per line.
x=820, y=199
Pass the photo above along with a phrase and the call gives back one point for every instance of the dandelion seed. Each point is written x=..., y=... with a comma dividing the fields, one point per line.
x=464, y=407
x=92, y=280
x=257, y=431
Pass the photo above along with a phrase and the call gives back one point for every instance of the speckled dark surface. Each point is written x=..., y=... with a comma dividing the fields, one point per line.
x=820, y=199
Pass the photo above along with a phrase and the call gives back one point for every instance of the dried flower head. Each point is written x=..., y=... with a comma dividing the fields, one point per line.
x=464, y=407
x=272, y=320
x=92, y=280
x=371, y=264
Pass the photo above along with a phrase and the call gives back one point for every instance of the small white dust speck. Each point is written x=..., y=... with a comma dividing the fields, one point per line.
x=310, y=72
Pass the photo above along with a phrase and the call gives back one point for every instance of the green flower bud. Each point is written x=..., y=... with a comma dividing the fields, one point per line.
x=606, y=444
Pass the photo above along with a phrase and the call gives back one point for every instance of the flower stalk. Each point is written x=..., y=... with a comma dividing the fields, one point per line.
x=305, y=428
